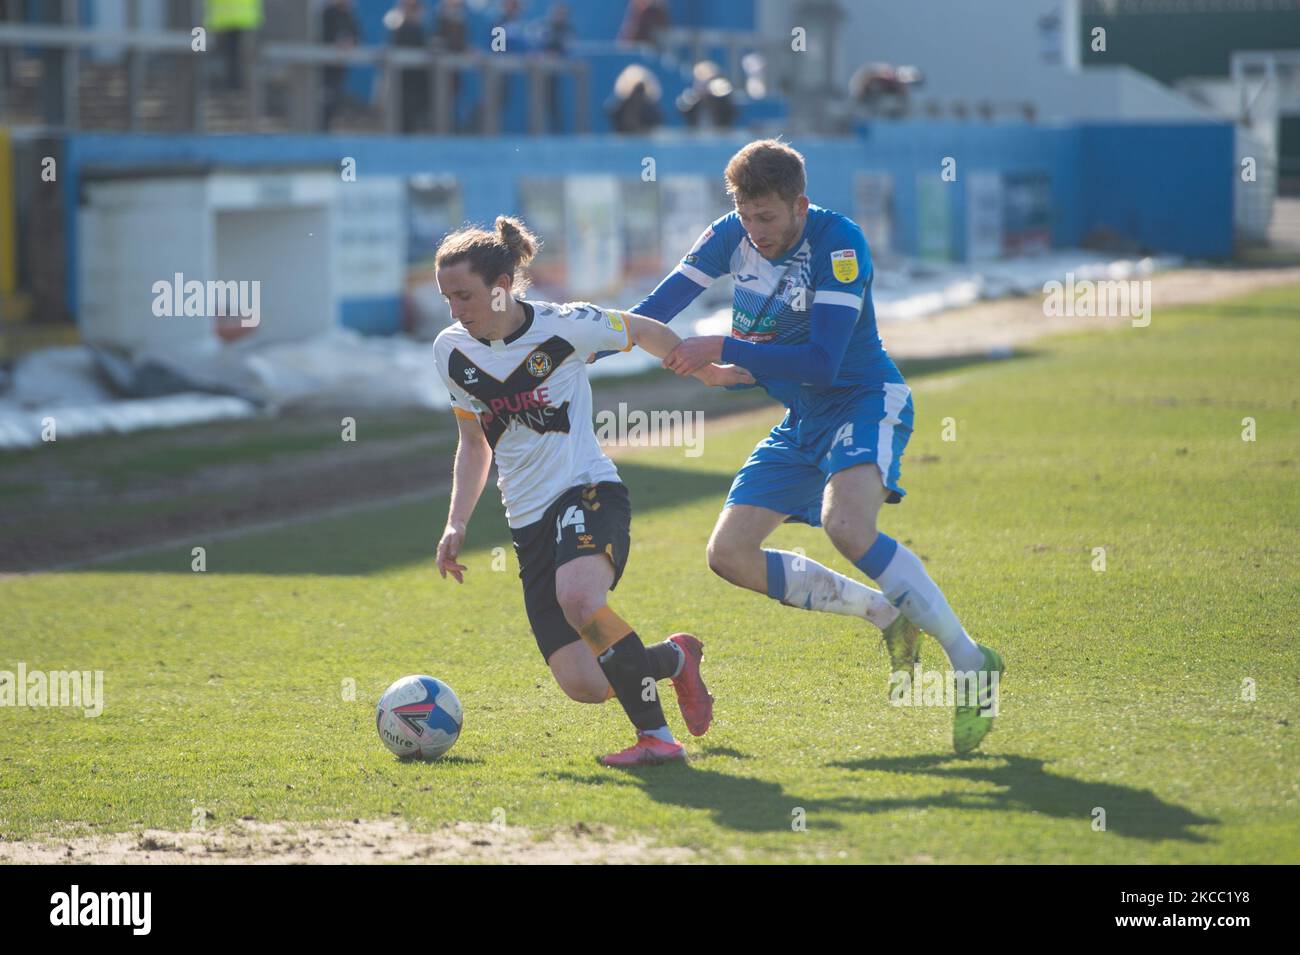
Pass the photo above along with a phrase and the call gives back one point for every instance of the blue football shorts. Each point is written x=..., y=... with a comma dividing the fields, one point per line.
x=788, y=470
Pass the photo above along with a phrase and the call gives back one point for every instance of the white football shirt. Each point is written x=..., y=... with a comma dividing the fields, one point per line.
x=531, y=394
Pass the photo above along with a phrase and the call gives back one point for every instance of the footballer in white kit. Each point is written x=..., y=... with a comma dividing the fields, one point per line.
x=517, y=374
x=526, y=393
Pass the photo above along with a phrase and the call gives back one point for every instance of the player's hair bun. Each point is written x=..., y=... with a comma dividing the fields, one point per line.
x=516, y=237
x=503, y=250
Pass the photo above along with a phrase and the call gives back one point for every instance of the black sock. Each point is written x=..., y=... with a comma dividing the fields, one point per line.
x=626, y=665
x=664, y=659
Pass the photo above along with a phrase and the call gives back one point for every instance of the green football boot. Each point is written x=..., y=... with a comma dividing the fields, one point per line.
x=970, y=724
x=903, y=641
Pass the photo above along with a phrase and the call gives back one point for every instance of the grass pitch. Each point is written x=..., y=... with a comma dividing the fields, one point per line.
x=1163, y=690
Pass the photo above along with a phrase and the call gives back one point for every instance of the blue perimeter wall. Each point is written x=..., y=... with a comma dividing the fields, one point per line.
x=1167, y=186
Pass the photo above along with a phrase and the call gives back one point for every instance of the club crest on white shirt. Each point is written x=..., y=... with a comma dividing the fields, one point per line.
x=539, y=364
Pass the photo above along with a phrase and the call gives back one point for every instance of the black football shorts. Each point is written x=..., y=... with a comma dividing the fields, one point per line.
x=586, y=519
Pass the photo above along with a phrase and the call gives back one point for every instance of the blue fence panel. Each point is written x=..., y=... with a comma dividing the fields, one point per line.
x=1167, y=187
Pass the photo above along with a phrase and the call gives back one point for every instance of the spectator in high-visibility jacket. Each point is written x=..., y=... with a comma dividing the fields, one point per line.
x=229, y=20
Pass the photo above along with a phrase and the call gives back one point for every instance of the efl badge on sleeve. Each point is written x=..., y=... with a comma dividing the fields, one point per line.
x=844, y=263
x=699, y=243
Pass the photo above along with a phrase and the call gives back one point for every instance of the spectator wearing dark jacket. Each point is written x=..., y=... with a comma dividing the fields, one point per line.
x=556, y=32
x=405, y=24
x=451, y=31
x=634, y=107
x=644, y=21
x=709, y=101
x=451, y=27
x=339, y=29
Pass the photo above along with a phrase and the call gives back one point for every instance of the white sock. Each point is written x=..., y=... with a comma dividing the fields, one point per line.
x=802, y=582
x=902, y=577
x=663, y=734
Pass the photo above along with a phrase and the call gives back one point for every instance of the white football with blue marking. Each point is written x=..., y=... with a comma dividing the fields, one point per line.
x=419, y=717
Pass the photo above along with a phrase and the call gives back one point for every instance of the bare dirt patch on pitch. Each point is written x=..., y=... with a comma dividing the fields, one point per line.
x=351, y=843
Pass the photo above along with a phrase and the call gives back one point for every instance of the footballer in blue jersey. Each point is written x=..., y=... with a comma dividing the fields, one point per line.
x=804, y=327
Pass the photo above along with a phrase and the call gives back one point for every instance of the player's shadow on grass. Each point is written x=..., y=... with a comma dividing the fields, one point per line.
x=1024, y=786
x=742, y=803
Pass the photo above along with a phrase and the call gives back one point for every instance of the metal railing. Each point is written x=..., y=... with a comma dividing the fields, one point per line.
x=71, y=42
x=306, y=60
x=693, y=45
x=305, y=63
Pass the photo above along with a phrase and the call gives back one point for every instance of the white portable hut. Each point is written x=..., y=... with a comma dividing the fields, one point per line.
x=139, y=231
